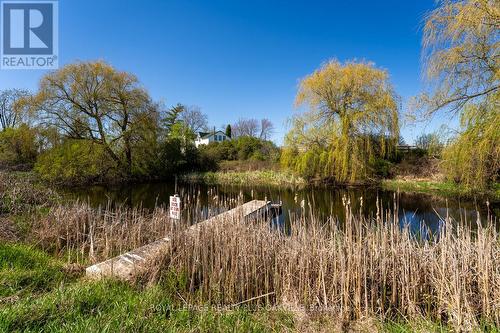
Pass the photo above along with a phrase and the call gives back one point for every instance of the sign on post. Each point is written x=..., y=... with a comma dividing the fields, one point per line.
x=175, y=207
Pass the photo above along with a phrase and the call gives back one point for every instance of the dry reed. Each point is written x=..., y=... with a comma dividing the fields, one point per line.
x=357, y=269
x=19, y=193
x=87, y=234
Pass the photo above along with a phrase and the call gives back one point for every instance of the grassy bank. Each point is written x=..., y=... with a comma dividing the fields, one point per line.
x=246, y=178
x=39, y=293
x=447, y=189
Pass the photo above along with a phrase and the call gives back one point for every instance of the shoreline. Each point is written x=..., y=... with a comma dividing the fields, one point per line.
x=445, y=189
x=247, y=178
x=287, y=180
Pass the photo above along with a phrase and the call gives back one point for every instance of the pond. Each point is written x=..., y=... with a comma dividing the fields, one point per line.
x=413, y=209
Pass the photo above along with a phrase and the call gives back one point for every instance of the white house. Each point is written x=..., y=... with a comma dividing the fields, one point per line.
x=204, y=138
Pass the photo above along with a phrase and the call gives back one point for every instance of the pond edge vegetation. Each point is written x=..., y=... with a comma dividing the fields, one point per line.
x=330, y=262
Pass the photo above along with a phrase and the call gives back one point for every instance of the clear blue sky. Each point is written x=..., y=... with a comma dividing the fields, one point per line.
x=240, y=58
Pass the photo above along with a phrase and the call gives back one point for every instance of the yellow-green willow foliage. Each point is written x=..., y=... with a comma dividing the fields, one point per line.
x=461, y=53
x=462, y=63
x=351, y=123
x=474, y=158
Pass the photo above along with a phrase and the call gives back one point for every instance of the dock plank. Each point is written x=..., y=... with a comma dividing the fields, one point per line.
x=125, y=266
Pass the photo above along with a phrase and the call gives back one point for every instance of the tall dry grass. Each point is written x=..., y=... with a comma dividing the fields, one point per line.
x=87, y=234
x=20, y=193
x=358, y=269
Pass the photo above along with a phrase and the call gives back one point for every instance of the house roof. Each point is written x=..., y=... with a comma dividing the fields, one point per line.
x=204, y=135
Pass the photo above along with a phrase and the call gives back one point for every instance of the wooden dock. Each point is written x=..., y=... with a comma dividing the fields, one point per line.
x=125, y=266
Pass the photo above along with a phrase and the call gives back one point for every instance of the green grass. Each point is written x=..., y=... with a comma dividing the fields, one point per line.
x=25, y=271
x=247, y=178
x=287, y=180
x=37, y=294
x=447, y=189
x=423, y=325
x=113, y=306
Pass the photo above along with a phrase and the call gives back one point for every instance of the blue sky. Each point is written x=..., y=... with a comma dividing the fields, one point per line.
x=240, y=58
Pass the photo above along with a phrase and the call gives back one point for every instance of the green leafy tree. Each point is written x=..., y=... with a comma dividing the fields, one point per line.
x=352, y=121
x=172, y=117
x=228, y=131
x=93, y=101
x=462, y=64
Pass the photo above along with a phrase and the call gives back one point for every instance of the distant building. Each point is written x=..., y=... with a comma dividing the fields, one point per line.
x=204, y=138
x=406, y=148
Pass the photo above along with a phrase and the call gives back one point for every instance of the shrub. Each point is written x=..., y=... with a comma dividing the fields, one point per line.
x=75, y=162
x=18, y=145
x=382, y=168
x=243, y=148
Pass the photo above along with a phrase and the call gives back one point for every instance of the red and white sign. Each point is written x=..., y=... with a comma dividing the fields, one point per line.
x=175, y=207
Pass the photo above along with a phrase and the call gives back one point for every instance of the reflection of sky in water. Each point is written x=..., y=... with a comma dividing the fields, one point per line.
x=422, y=225
x=413, y=209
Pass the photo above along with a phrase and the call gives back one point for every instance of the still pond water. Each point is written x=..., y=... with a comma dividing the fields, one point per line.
x=413, y=209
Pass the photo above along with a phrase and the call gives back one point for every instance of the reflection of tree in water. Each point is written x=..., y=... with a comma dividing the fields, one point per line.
x=201, y=201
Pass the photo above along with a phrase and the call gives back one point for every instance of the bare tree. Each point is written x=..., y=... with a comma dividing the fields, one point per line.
x=266, y=129
x=194, y=119
x=245, y=127
x=9, y=117
x=252, y=127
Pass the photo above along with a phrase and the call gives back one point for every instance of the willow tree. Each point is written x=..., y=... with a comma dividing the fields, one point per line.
x=473, y=159
x=462, y=67
x=352, y=121
x=95, y=102
x=461, y=53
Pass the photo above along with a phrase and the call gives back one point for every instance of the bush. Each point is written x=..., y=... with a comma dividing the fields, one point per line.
x=382, y=168
x=220, y=151
x=18, y=145
x=243, y=148
x=75, y=162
